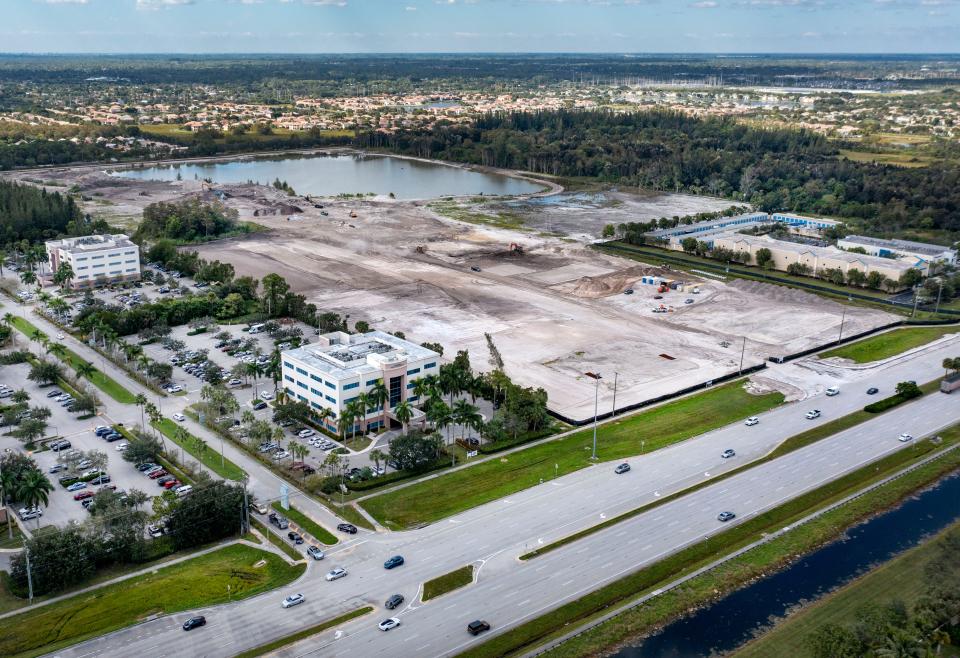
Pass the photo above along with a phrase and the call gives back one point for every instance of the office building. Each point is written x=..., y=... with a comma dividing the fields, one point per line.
x=96, y=260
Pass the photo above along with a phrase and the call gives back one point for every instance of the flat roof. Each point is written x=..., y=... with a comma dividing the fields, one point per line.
x=905, y=245
x=347, y=360
x=826, y=252
x=93, y=242
x=700, y=227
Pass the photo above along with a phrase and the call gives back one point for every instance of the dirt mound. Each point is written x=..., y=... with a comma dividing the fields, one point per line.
x=610, y=284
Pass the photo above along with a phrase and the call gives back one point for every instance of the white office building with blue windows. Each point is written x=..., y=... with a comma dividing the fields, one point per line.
x=96, y=260
x=334, y=371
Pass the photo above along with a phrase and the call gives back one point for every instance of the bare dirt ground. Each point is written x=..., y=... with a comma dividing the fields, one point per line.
x=554, y=311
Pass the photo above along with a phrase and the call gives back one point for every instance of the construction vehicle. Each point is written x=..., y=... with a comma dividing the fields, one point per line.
x=663, y=288
x=516, y=248
x=420, y=249
x=696, y=290
x=353, y=214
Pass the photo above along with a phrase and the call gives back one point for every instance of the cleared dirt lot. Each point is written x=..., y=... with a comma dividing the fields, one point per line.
x=554, y=309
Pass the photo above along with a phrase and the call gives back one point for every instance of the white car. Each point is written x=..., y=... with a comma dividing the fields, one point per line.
x=122, y=447
x=387, y=624
x=266, y=395
x=751, y=421
x=283, y=454
x=813, y=414
x=905, y=437
x=292, y=600
x=833, y=390
x=305, y=433
x=179, y=417
x=339, y=572
x=60, y=336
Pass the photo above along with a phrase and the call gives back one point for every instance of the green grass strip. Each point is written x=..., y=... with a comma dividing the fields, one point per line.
x=304, y=634
x=71, y=358
x=276, y=541
x=628, y=436
x=890, y=343
x=196, y=583
x=350, y=514
x=448, y=582
x=209, y=458
x=306, y=523
x=659, y=574
x=900, y=579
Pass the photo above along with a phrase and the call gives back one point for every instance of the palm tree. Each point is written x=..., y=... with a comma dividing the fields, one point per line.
x=342, y=424
x=323, y=415
x=59, y=350
x=278, y=436
x=28, y=277
x=64, y=275
x=403, y=412
x=380, y=395
x=7, y=481
x=141, y=400
x=365, y=405
x=378, y=456
x=439, y=414
x=84, y=369
x=34, y=490
x=3, y=261
x=466, y=415
x=247, y=417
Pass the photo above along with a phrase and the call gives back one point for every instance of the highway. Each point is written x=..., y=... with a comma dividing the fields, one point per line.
x=492, y=536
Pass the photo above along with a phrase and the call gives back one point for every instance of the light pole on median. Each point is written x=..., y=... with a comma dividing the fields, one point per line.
x=595, y=376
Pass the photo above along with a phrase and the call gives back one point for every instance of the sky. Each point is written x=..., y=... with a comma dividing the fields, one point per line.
x=357, y=26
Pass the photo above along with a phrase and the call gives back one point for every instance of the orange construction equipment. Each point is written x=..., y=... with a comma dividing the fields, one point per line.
x=663, y=288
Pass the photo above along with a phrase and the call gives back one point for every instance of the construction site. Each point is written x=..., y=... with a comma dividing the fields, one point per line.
x=553, y=307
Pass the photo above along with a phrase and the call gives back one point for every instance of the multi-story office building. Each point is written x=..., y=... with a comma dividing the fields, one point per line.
x=96, y=259
x=334, y=371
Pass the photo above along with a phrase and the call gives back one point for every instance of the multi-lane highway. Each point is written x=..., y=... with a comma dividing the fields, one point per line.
x=507, y=591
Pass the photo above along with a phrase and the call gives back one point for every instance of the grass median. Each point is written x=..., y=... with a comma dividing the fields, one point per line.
x=195, y=583
x=71, y=358
x=306, y=524
x=650, y=430
x=209, y=458
x=736, y=572
x=447, y=582
x=275, y=540
x=270, y=647
x=900, y=579
x=890, y=343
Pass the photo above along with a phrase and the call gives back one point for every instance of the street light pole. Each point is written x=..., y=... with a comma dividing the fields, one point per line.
x=613, y=408
x=596, y=398
x=939, y=292
x=743, y=349
x=842, y=318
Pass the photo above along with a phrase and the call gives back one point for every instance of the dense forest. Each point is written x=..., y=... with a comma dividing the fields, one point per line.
x=186, y=221
x=783, y=170
x=30, y=213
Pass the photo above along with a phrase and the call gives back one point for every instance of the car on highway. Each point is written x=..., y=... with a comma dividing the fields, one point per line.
x=622, y=468
x=872, y=390
x=905, y=437
x=751, y=421
x=728, y=453
x=295, y=537
x=349, y=528
x=833, y=390
x=292, y=600
x=725, y=516
x=387, y=624
x=393, y=602
x=179, y=417
x=259, y=508
x=393, y=562
x=77, y=486
x=194, y=622
x=315, y=552
x=336, y=574
x=477, y=626
x=815, y=413
x=688, y=301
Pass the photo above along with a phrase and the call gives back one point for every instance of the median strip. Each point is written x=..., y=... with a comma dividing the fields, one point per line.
x=306, y=524
x=199, y=450
x=304, y=634
x=447, y=582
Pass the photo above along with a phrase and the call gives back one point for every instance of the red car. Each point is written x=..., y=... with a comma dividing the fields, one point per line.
x=171, y=484
x=157, y=474
x=83, y=495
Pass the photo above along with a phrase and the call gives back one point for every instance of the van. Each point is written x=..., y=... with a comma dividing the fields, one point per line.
x=833, y=390
x=184, y=490
x=256, y=328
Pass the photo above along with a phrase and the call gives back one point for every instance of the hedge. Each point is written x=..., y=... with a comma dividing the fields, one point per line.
x=889, y=403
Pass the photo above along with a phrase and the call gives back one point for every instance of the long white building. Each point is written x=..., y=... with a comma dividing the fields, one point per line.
x=334, y=371
x=96, y=260
x=922, y=253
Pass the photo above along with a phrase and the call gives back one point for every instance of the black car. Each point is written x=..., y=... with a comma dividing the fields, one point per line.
x=393, y=601
x=872, y=391
x=348, y=528
x=260, y=405
x=395, y=561
x=295, y=537
x=477, y=627
x=193, y=622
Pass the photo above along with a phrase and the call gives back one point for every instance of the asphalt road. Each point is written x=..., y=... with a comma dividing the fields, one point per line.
x=491, y=537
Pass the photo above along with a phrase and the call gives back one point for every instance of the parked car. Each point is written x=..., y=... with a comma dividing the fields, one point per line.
x=295, y=537
x=266, y=395
x=393, y=602
x=259, y=508
x=56, y=468
x=387, y=624
x=336, y=574
x=478, y=626
x=348, y=528
x=304, y=433
x=259, y=405
x=292, y=600
x=728, y=453
x=77, y=486
x=725, y=516
x=83, y=495
x=315, y=553
x=172, y=484
x=194, y=622
x=622, y=468
x=751, y=421
x=183, y=489
x=393, y=562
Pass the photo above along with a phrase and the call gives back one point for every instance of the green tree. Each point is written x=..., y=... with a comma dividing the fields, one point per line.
x=403, y=412
x=763, y=257
x=64, y=275
x=34, y=490
x=45, y=373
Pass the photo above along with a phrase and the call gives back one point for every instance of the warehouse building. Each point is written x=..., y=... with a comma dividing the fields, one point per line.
x=96, y=260
x=923, y=254
x=334, y=371
x=674, y=237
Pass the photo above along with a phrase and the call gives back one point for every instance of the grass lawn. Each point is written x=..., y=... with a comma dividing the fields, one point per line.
x=643, y=432
x=448, y=582
x=896, y=158
x=350, y=514
x=210, y=458
x=754, y=563
x=98, y=379
x=176, y=131
x=306, y=523
x=890, y=343
x=195, y=583
x=5, y=540
x=304, y=634
x=899, y=579
x=276, y=541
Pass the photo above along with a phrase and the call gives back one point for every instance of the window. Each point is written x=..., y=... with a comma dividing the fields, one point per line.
x=287, y=365
x=430, y=365
x=315, y=391
x=329, y=385
x=99, y=265
x=82, y=267
x=301, y=371
x=83, y=276
x=289, y=391
x=371, y=382
x=315, y=405
x=116, y=262
x=316, y=379
x=81, y=258
x=413, y=398
x=128, y=253
x=349, y=400
x=301, y=398
x=288, y=378
x=132, y=260
x=347, y=387
x=409, y=385
x=116, y=272
x=330, y=399
x=96, y=257
x=132, y=269
x=302, y=385
x=413, y=372
x=395, y=391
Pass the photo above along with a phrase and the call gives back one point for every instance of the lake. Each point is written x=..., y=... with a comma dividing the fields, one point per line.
x=330, y=175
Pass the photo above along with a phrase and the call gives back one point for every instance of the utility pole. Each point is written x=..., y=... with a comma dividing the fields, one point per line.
x=3, y=499
x=244, y=519
x=842, y=318
x=939, y=292
x=613, y=409
x=742, y=350
x=596, y=397
x=916, y=300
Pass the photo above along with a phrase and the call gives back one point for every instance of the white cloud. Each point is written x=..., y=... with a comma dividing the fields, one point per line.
x=705, y=4
x=160, y=4
x=410, y=8
x=326, y=3
x=64, y=2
